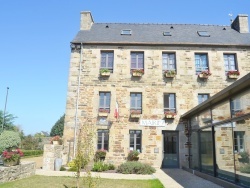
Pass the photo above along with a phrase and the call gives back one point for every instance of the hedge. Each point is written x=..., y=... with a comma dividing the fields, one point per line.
x=28, y=153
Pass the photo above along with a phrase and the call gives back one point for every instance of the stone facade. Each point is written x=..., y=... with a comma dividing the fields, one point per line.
x=24, y=170
x=85, y=83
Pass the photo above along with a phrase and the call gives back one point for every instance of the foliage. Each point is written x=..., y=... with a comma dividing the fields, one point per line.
x=170, y=72
x=101, y=166
x=58, y=128
x=30, y=143
x=104, y=110
x=245, y=169
x=63, y=168
x=104, y=70
x=233, y=72
x=141, y=71
x=135, y=167
x=133, y=155
x=12, y=155
x=135, y=111
x=206, y=73
x=168, y=112
x=100, y=154
x=56, y=138
x=9, y=139
x=32, y=153
x=244, y=157
x=71, y=163
x=8, y=121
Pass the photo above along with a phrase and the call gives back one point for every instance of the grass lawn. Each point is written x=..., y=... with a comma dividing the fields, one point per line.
x=69, y=182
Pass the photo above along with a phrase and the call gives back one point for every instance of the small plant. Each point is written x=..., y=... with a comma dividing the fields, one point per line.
x=135, y=167
x=140, y=71
x=103, y=110
x=233, y=72
x=104, y=70
x=170, y=113
x=13, y=155
x=206, y=73
x=135, y=111
x=100, y=154
x=133, y=155
x=239, y=113
x=56, y=138
x=245, y=169
x=170, y=72
x=62, y=168
x=244, y=157
x=100, y=166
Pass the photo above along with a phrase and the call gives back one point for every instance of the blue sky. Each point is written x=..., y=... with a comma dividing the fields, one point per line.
x=35, y=38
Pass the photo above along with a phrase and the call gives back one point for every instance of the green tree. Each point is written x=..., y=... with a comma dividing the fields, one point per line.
x=9, y=139
x=30, y=143
x=58, y=128
x=8, y=121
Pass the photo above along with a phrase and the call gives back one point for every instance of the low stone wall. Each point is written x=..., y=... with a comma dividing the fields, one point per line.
x=25, y=169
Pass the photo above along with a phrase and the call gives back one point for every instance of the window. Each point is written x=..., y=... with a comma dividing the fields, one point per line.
x=137, y=60
x=235, y=106
x=107, y=59
x=166, y=33
x=239, y=141
x=103, y=139
x=135, y=140
x=229, y=61
x=104, y=102
x=202, y=98
x=169, y=102
x=168, y=61
x=136, y=101
x=126, y=32
x=201, y=63
x=203, y=33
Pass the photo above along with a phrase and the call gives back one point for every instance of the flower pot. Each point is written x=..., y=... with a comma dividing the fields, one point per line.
x=134, y=158
x=105, y=73
x=234, y=76
x=137, y=74
x=169, y=75
x=11, y=163
x=203, y=76
x=102, y=158
x=56, y=143
x=103, y=114
x=135, y=115
x=169, y=116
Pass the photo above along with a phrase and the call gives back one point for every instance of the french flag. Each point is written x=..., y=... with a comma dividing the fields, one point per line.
x=116, y=110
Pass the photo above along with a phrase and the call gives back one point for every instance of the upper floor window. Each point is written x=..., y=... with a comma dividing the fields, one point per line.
x=135, y=140
x=169, y=102
x=230, y=62
x=103, y=139
x=201, y=63
x=137, y=60
x=136, y=102
x=202, y=98
x=236, y=106
x=107, y=60
x=168, y=61
x=104, y=102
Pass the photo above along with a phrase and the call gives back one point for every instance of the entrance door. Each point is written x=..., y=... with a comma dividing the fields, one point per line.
x=171, y=149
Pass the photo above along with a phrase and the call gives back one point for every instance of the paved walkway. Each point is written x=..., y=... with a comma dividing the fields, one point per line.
x=170, y=178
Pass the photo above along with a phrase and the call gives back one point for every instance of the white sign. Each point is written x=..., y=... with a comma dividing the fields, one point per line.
x=152, y=123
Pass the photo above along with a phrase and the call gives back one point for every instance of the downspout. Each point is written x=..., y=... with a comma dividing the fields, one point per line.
x=77, y=101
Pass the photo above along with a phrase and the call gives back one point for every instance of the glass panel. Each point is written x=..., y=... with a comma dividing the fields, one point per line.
x=202, y=98
x=206, y=148
x=221, y=112
x=240, y=105
x=201, y=62
x=169, y=102
x=195, y=151
x=229, y=61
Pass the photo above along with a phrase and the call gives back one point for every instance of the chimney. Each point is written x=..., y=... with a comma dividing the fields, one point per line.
x=86, y=20
x=240, y=23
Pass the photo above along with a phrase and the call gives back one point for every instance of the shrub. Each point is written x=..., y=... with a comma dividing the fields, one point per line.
x=62, y=168
x=100, y=154
x=135, y=167
x=245, y=169
x=244, y=157
x=100, y=166
x=72, y=169
x=133, y=155
x=29, y=153
x=9, y=139
x=71, y=163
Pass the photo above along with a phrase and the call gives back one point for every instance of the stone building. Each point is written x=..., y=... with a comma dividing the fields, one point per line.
x=152, y=74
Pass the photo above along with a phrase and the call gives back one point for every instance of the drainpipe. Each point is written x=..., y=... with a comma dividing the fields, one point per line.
x=77, y=101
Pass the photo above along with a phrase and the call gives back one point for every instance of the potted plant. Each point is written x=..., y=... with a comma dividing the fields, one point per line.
x=133, y=155
x=204, y=74
x=170, y=73
x=135, y=113
x=239, y=113
x=56, y=140
x=103, y=112
x=100, y=154
x=233, y=74
x=105, y=72
x=137, y=72
x=170, y=114
x=12, y=157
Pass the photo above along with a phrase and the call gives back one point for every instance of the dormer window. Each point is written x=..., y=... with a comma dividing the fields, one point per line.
x=126, y=32
x=166, y=33
x=203, y=33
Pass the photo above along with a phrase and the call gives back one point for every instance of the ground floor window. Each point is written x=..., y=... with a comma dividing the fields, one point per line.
x=238, y=141
x=102, y=139
x=135, y=140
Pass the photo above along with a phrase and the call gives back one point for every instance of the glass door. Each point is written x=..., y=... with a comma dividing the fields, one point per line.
x=171, y=149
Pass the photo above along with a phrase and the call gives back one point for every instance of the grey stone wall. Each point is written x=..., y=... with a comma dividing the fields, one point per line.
x=24, y=170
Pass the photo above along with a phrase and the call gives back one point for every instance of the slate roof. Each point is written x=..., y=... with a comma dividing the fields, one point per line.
x=153, y=34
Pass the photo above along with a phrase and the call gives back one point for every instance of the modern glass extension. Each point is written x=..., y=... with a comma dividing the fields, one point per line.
x=220, y=134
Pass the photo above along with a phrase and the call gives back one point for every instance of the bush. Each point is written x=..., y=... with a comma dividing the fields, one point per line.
x=100, y=166
x=9, y=139
x=72, y=169
x=245, y=169
x=71, y=163
x=133, y=155
x=135, y=167
x=62, y=168
x=244, y=157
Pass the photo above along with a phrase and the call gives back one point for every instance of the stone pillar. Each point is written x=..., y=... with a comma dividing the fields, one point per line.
x=51, y=152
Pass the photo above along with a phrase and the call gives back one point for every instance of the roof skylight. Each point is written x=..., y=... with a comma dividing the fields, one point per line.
x=203, y=33
x=126, y=32
x=166, y=33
